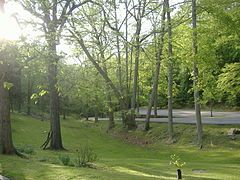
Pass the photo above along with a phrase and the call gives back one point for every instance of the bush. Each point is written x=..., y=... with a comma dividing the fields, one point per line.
x=85, y=156
x=65, y=159
x=26, y=149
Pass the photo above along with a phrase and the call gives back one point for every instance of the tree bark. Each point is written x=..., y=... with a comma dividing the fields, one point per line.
x=111, y=123
x=6, y=143
x=56, y=138
x=170, y=74
x=140, y=14
x=155, y=106
x=195, y=73
x=211, y=108
x=29, y=94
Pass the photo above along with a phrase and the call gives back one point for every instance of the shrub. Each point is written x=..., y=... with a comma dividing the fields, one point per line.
x=176, y=161
x=27, y=149
x=85, y=156
x=65, y=159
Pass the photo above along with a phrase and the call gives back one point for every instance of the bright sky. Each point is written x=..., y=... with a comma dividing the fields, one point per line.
x=9, y=28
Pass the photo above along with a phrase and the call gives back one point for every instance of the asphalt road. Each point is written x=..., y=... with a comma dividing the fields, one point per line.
x=184, y=116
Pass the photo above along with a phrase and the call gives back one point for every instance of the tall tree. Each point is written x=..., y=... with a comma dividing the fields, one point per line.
x=160, y=42
x=195, y=74
x=53, y=15
x=141, y=10
x=170, y=72
x=6, y=56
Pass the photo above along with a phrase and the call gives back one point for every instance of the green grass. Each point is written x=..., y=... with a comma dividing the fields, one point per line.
x=117, y=159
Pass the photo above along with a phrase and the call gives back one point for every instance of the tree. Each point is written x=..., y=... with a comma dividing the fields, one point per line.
x=195, y=74
x=228, y=82
x=7, y=57
x=139, y=15
x=160, y=42
x=53, y=15
x=170, y=73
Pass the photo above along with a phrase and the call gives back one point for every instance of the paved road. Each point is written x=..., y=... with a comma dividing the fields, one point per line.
x=188, y=117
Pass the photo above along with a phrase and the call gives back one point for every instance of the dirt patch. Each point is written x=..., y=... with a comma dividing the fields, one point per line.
x=132, y=138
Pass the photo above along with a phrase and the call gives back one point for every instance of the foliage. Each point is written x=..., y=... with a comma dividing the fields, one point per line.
x=229, y=81
x=8, y=85
x=27, y=149
x=65, y=159
x=85, y=156
x=176, y=161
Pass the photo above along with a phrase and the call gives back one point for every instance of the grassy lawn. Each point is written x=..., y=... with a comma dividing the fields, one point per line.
x=120, y=159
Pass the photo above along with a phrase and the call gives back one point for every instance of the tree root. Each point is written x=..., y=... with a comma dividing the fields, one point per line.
x=45, y=144
x=20, y=154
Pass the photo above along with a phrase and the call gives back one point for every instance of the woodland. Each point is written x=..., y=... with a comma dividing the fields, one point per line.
x=77, y=62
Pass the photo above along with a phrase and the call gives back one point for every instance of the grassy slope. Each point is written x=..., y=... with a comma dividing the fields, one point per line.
x=120, y=160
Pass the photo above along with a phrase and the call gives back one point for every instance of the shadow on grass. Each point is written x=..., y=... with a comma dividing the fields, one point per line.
x=142, y=174
x=13, y=174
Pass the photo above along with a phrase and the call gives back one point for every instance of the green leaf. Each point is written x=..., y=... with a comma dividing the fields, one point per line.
x=34, y=96
x=42, y=92
x=7, y=85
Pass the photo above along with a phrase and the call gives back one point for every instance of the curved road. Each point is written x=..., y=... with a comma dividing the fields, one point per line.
x=184, y=116
x=188, y=117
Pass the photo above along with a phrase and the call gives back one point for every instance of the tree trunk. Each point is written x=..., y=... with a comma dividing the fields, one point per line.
x=211, y=108
x=155, y=105
x=138, y=99
x=111, y=123
x=96, y=115
x=127, y=86
x=170, y=74
x=157, y=70
x=130, y=77
x=195, y=73
x=6, y=143
x=140, y=14
x=56, y=138
x=19, y=91
x=29, y=94
x=64, y=114
x=131, y=124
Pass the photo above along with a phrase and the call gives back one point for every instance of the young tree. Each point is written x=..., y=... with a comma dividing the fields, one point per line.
x=170, y=73
x=195, y=74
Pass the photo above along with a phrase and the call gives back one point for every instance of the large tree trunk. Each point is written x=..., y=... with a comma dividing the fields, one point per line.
x=195, y=73
x=56, y=138
x=170, y=74
x=6, y=143
x=157, y=70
